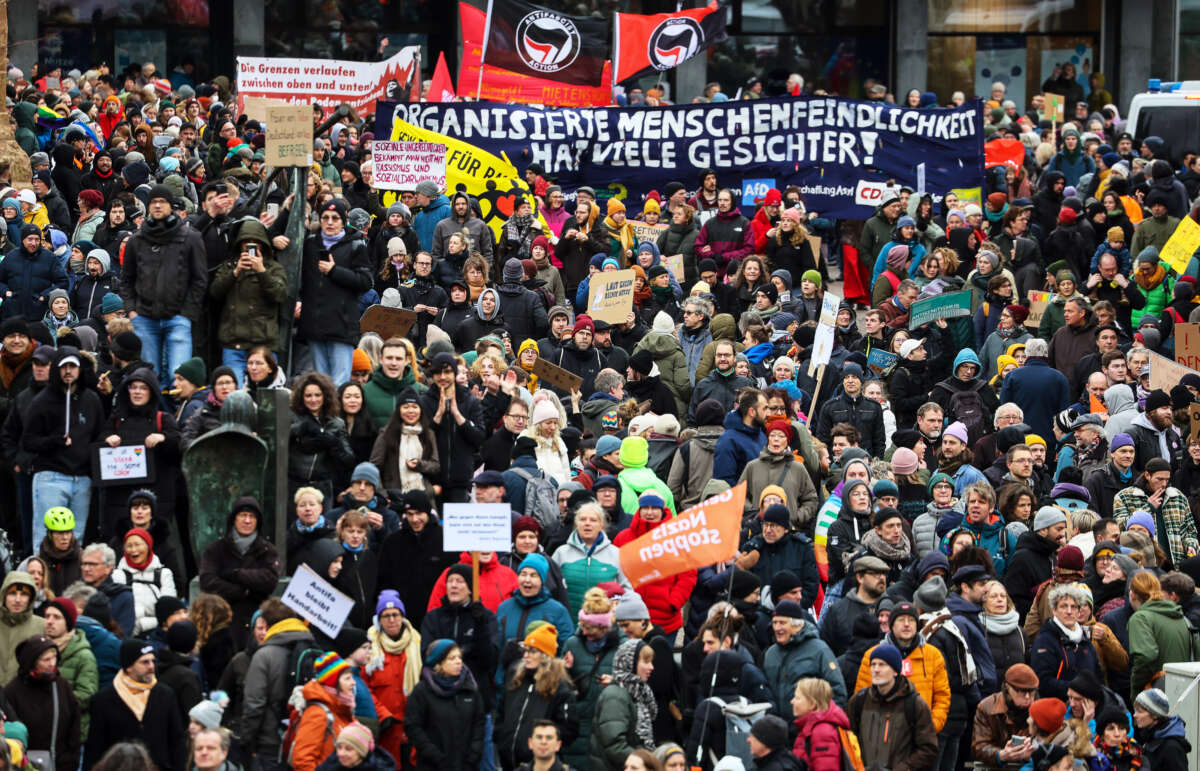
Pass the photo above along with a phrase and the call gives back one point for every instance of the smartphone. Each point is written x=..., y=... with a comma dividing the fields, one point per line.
x=252, y=250
x=273, y=209
x=1017, y=741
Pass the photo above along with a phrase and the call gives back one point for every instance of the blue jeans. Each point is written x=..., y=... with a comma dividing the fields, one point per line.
x=488, y=761
x=166, y=343
x=332, y=359
x=50, y=489
x=236, y=361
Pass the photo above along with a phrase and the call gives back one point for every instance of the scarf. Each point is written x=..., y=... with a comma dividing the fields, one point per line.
x=663, y=295
x=329, y=241
x=1005, y=334
x=135, y=695
x=159, y=232
x=624, y=674
x=303, y=528
x=624, y=234
x=1000, y=623
x=881, y=548
x=640, y=296
x=1075, y=635
x=1125, y=753
x=410, y=448
x=10, y=363
x=474, y=290
x=448, y=686
x=1154, y=281
x=345, y=699
x=408, y=645
x=140, y=566
x=242, y=543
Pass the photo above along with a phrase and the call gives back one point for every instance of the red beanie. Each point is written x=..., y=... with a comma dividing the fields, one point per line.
x=1048, y=714
x=1066, y=216
x=140, y=533
x=583, y=321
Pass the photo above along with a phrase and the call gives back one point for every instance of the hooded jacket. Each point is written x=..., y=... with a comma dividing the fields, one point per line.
x=480, y=324
x=886, y=737
x=164, y=270
x=673, y=366
x=818, y=742
x=46, y=707
x=692, y=465
x=523, y=310
x=330, y=309
x=244, y=580
x=426, y=220
x=16, y=627
x=54, y=407
x=1158, y=634
x=26, y=281
x=89, y=290
x=1122, y=409
x=250, y=301
x=266, y=692
x=458, y=445
x=314, y=739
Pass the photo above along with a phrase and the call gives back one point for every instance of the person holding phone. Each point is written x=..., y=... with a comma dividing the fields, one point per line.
x=248, y=287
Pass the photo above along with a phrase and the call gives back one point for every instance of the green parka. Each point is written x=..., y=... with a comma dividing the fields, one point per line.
x=724, y=327
x=250, y=310
x=672, y=366
x=16, y=627
x=77, y=663
x=1158, y=635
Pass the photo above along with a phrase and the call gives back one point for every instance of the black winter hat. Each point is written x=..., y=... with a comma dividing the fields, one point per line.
x=642, y=361
x=524, y=446
x=182, y=636
x=167, y=606
x=17, y=325
x=783, y=582
x=338, y=207
x=349, y=640
x=710, y=413
x=772, y=731
x=460, y=569
x=743, y=584
x=161, y=191
x=126, y=346
x=132, y=650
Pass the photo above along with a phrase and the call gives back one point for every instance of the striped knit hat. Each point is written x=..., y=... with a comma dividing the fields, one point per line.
x=328, y=668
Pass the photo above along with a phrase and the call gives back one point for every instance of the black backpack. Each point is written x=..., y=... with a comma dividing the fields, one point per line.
x=301, y=668
x=967, y=408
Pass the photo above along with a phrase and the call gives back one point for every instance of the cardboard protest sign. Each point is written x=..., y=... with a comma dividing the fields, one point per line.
x=610, y=296
x=814, y=243
x=823, y=340
x=1187, y=345
x=401, y=165
x=256, y=108
x=476, y=527
x=1055, y=107
x=878, y=360
x=703, y=535
x=1181, y=245
x=948, y=305
x=317, y=601
x=1037, y=307
x=1194, y=428
x=1164, y=373
x=643, y=232
x=121, y=465
x=675, y=263
x=556, y=376
x=289, y=135
x=387, y=322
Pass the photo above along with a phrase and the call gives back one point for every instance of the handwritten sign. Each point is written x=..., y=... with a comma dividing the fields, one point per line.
x=476, y=527
x=1194, y=427
x=675, y=263
x=1182, y=244
x=317, y=601
x=823, y=339
x=1164, y=373
x=256, y=107
x=610, y=296
x=402, y=165
x=1055, y=107
x=289, y=135
x=949, y=305
x=1187, y=345
x=879, y=360
x=122, y=465
x=387, y=322
x=645, y=232
x=1037, y=307
x=554, y=375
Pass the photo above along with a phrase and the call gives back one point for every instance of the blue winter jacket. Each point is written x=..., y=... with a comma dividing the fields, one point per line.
x=106, y=647
x=739, y=445
x=1057, y=660
x=966, y=618
x=26, y=280
x=427, y=219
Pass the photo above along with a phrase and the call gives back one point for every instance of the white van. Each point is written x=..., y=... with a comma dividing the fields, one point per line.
x=1170, y=111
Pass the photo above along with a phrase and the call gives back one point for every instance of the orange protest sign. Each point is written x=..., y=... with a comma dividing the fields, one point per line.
x=703, y=535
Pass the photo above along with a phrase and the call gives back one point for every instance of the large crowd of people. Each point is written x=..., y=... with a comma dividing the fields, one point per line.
x=979, y=547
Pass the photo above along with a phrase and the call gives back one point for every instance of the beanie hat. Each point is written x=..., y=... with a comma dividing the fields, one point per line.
x=545, y=639
x=1145, y=519
x=513, y=270
x=132, y=650
x=207, y=713
x=771, y=731
x=182, y=636
x=427, y=188
x=790, y=609
x=655, y=271
x=348, y=640
x=778, y=514
x=1115, y=233
x=366, y=472
x=1048, y=516
x=708, y=413
x=651, y=500
x=167, y=606
x=461, y=570
x=931, y=594
x=608, y=444
x=111, y=303
x=536, y=562
x=126, y=346
x=67, y=608
x=1157, y=398
x=1048, y=714
x=939, y=478
x=1066, y=216
x=1070, y=558
x=193, y=371
x=361, y=362
x=884, y=514
x=885, y=487
x=905, y=462
x=958, y=430
x=614, y=206
x=905, y=609
x=1154, y=701
x=543, y=411
x=631, y=608
x=781, y=424
x=1088, y=685
x=744, y=583
x=388, y=599
x=358, y=737
x=1119, y=441
x=1018, y=312
x=635, y=452
x=890, y=655
x=897, y=257
x=811, y=275
x=526, y=524
x=781, y=583
x=328, y=668
x=582, y=322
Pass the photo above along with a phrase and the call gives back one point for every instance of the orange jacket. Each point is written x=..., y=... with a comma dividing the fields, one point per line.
x=928, y=677
x=314, y=742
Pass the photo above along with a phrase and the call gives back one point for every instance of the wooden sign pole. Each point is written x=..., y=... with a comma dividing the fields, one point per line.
x=475, y=576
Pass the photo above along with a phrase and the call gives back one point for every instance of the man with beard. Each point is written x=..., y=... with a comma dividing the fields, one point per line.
x=1107, y=341
x=102, y=178
x=644, y=384
x=1153, y=433
x=56, y=208
x=925, y=661
x=617, y=357
x=461, y=219
x=878, y=231
x=137, y=707
x=837, y=624
x=422, y=295
x=1033, y=562
x=705, y=199
x=954, y=459
x=722, y=383
x=743, y=438
x=1105, y=482
x=1109, y=284
x=1001, y=735
x=930, y=419
x=97, y=281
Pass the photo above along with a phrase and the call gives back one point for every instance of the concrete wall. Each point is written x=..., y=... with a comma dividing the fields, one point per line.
x=910, y=27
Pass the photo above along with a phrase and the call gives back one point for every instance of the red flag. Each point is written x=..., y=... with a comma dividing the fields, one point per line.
x=441, y=89
x=1004, y=152
x=645, y=44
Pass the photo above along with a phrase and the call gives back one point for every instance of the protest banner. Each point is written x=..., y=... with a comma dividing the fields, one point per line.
x=879, y=360
x=507, y=87
x=401, y=165
x=948, y=305
x=643, y=232
x=256, y=108
x=1166, y=374
x=610, y=296
x=317, y=601
x=476, y=527
x=121, y=465
x=387, y=322
x=705, y=534
x=492, y=180
x=289, y=135
x=1182, y=244
x=1187, y=345
x=675, y=263
x=1037, y=307
x=552, y=374
x=328, y=82
x=841, y=153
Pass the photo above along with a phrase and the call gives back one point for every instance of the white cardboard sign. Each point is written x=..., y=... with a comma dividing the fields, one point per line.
x=401, y=165
x=317, y=601
x=476, y=527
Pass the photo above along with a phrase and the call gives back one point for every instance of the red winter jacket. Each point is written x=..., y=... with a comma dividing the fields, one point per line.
x=818, y=743
x=665, y=597
x=497, y=582
x=761, y=224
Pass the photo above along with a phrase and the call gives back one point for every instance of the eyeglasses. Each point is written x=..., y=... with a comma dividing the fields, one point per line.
x=520, y=418
x=91, y=564
x=330, y=218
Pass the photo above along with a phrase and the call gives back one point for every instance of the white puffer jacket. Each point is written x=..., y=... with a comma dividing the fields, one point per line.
x=148, y=585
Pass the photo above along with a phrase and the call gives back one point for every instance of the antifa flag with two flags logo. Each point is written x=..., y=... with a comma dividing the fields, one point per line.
x=532, y=40
x=647, y=44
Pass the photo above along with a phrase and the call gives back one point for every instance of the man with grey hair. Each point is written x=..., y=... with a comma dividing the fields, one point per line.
x=96, y=564
x=694, y=333
x=1039, y=390
x=210, y=748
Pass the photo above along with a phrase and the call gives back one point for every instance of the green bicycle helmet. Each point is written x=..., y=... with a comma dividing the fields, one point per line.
x=59, y=518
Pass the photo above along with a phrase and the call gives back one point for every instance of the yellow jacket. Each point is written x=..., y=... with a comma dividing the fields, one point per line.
x=928, y=677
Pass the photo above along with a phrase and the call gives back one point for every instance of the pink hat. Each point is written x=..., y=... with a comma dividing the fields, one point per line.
x=359, y=737
x=544, y=410
x=792, y=214
x=905, y=461
x=956, y=430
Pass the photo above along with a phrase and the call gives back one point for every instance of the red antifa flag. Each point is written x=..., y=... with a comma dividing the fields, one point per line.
x=531, y=40
x=647, y=44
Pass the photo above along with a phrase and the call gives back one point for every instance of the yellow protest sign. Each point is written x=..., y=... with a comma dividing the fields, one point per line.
x=492, y=180
x=1181, y=245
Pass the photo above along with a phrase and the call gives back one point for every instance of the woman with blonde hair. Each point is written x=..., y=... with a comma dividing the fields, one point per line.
x=536, y=688
x=1158, y=632
x=485, y=366
x=818, y=718
x=588, y=655
x=1002, y=625
x=372, y=345
x=790, y=249
x=545, y=428
x=214, y=639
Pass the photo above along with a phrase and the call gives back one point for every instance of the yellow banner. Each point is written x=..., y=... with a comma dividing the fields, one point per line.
x=494, y=181
x=1181, y=245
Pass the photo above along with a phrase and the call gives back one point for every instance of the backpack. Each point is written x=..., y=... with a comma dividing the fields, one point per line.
x=300, y=669
x=301, y=665
x=156, y=582
x=541, y=501
x=851, y=750
x=967, y=408
x=296, y=707
x=740, y=715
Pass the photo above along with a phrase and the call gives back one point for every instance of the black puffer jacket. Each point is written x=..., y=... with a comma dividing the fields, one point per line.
x=445, y=726
x=319, y=453
x=473, y=628
x=165, y=270
x=43, y=435
x=458, y=446
x=330, y=310
x=522, y=705
x=523, y=310
x=244, y=580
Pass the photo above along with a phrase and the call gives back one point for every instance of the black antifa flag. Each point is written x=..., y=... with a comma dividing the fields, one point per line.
x=536, y=41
